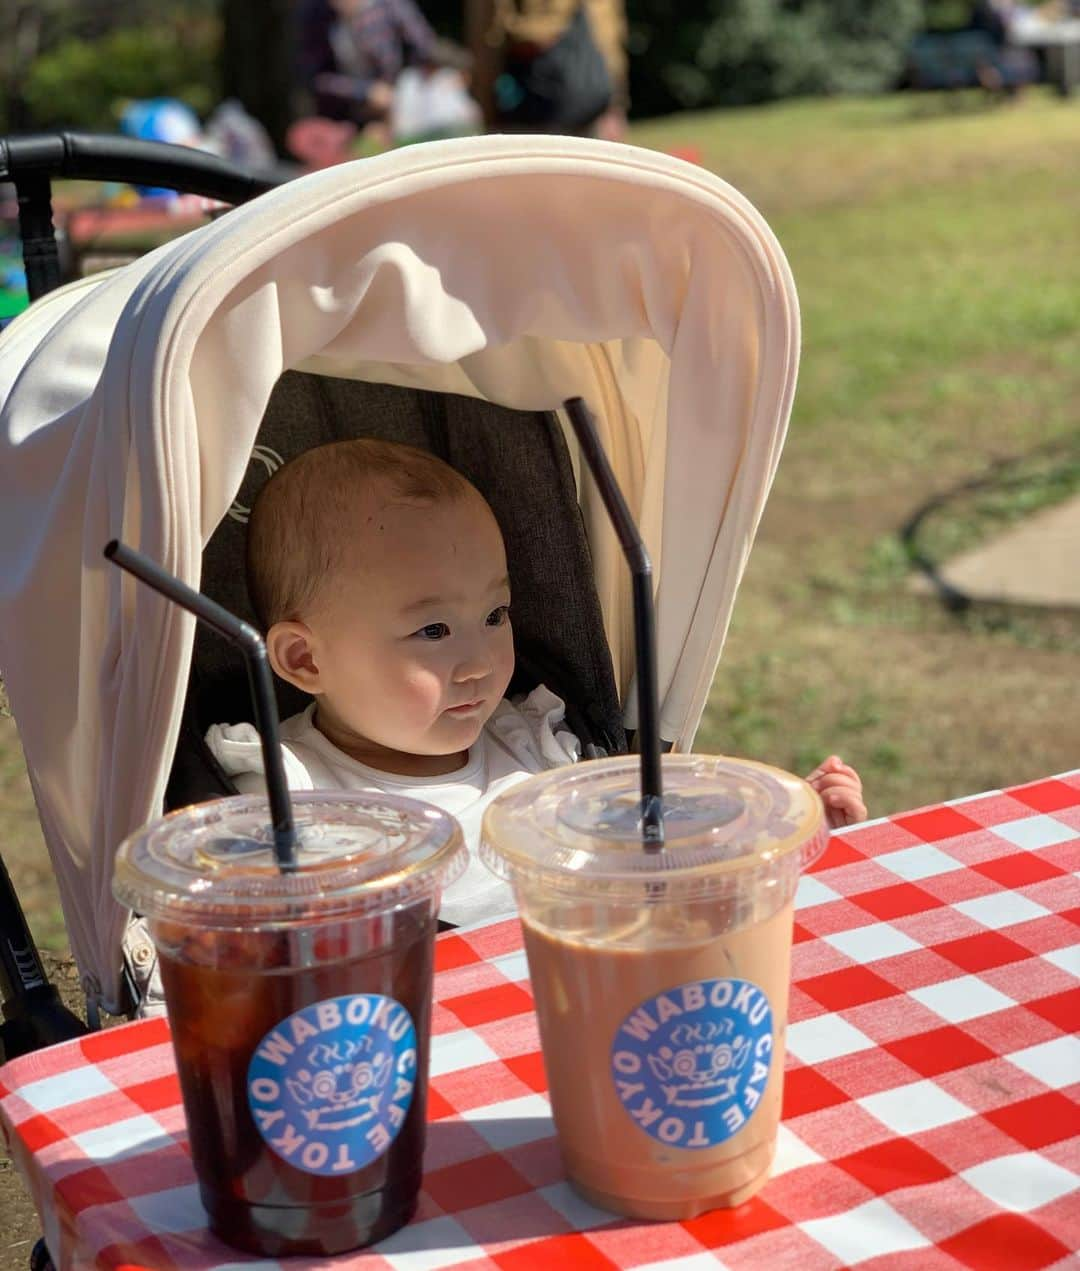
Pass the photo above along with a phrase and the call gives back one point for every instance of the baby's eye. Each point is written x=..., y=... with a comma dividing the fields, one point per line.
x=433, y=631
x=497, y=617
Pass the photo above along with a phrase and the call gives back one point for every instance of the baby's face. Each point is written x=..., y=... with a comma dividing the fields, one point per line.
x=414, y=644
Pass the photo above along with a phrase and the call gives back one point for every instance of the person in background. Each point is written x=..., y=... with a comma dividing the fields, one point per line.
x=550, y=65
x=352, y=52
x=1010, y=69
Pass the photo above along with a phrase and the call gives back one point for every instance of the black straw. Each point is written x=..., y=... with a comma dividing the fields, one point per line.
x=652, y=807
x=253, y=647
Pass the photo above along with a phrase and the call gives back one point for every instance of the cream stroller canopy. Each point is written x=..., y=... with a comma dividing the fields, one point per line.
x=519, y=271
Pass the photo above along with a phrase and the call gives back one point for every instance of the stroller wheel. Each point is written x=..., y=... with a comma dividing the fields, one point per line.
x=40, y=1258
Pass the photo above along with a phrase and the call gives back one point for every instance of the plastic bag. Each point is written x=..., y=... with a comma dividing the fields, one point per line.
x=436, y=104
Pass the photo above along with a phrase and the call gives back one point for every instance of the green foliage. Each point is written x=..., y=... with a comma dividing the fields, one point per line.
x=733, y=52
x=948, y=15
x=80, y=82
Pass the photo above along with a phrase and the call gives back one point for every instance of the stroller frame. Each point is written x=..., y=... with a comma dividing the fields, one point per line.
x=31, y=163
x=33, y=1014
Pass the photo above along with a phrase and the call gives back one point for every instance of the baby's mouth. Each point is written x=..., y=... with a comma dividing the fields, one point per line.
x=465, y=709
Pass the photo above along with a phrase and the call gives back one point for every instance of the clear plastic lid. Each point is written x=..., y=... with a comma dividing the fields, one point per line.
x=580, y=828
x=213, y=863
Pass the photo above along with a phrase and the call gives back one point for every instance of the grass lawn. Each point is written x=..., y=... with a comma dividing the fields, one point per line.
x=936, y=254
x=935, y=247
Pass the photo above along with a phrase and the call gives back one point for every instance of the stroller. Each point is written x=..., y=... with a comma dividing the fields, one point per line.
x=451, y=295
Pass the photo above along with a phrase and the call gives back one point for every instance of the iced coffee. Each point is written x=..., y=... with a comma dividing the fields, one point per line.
x=660, y=978
x=299, y=1005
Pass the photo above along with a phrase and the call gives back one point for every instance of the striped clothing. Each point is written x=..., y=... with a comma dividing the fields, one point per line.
x=340, y=58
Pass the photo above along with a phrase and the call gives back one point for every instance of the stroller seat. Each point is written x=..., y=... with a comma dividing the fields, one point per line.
x=517, y=459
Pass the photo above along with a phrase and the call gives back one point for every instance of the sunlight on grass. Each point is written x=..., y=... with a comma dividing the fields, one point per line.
x=801, y=154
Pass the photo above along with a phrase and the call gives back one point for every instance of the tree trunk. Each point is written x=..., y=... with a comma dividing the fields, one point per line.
x=257, y=61
x=21, y=40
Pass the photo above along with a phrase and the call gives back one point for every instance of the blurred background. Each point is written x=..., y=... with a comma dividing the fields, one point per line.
x=911, y=602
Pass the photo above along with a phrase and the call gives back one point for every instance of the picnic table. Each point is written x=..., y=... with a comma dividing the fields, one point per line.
x=931, y=1113
x=104, y=236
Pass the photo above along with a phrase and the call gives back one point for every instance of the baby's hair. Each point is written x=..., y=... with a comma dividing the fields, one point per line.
x=300, y=527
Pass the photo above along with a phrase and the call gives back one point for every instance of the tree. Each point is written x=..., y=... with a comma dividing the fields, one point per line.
x=34, y=32
x=257, y=61
x=23, y=29
x=733, y=52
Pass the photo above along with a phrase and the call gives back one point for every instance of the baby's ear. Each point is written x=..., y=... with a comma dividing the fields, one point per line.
x=290, y=648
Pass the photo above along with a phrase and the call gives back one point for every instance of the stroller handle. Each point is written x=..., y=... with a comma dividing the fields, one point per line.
x=87, y=156
x=31, y=162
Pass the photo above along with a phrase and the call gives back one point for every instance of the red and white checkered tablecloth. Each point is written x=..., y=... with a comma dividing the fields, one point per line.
x=931, y=1114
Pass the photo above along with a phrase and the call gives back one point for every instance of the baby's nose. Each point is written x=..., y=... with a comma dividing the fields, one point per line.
x=474, y=667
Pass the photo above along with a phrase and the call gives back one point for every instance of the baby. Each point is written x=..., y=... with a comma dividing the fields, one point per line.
x=379, y=576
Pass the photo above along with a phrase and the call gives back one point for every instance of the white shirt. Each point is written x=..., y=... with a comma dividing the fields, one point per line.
x=520, y=738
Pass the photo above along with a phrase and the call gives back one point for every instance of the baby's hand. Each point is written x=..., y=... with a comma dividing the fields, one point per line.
x=840, y=788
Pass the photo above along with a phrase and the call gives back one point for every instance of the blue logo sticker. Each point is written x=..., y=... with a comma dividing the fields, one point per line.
x=330, y=1086
x=691, y=1064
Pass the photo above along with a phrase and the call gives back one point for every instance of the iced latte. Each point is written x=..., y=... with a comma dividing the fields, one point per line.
x=660, y=979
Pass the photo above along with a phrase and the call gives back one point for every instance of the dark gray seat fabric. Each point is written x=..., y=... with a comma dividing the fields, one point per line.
x=519, y=462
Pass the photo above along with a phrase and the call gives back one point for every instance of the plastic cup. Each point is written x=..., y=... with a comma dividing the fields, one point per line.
x=660, y=979
x=300, y=1007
